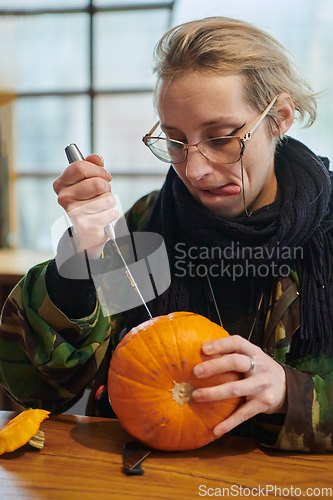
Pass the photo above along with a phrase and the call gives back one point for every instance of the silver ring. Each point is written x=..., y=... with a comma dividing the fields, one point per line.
x=252, y=364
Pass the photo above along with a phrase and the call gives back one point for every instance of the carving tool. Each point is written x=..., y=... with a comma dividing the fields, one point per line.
x=74, y=154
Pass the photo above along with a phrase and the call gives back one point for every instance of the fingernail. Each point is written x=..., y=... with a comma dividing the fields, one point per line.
x=101, y=157
x=198, y=371
x=218, y=432
x=197, y=396
x=109, y=176
x=208, y=348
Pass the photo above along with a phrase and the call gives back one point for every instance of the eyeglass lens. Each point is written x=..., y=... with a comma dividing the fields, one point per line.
x=223, y=149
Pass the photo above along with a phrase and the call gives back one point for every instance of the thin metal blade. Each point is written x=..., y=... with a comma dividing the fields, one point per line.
x=130, y=277
x=133, y=454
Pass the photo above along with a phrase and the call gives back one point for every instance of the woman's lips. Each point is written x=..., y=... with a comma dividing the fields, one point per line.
x=226, y=190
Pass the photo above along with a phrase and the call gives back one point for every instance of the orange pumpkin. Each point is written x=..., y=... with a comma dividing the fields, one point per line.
x=151, y=381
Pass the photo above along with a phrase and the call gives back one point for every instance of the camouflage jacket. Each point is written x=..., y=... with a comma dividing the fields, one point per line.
x=47, y=360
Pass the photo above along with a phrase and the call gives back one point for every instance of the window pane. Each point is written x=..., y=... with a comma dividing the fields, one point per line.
x=100, y=3
x=37, y=206
x=37, y=210
x=307, y=34
x=44, y=127
x=44, y=52
x=124, y=43
x=42, y=4
x=6, y=161
x=121, y=122
x=131, y=189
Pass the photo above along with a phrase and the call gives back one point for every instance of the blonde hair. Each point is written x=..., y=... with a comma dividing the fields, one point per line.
x=229, y=46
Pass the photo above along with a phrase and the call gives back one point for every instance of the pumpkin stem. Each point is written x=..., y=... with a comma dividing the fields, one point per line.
x=38, y=439
x=182, y=393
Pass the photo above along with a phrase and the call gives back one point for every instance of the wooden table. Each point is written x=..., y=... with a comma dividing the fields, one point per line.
x=82, y=459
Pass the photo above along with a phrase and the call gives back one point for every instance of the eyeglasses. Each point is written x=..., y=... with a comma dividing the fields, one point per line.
x=226, y=149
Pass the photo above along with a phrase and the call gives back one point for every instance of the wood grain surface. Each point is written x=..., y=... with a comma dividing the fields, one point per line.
x=82, y=459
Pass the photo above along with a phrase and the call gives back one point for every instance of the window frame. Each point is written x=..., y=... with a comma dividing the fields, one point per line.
x=91, y=92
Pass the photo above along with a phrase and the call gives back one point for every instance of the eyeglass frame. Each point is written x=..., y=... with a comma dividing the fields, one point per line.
x=243, y=140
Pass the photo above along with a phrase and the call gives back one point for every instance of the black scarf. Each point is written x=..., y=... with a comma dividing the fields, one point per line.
x=301, y=219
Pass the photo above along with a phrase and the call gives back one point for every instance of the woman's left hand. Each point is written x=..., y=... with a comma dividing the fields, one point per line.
x=263, y=385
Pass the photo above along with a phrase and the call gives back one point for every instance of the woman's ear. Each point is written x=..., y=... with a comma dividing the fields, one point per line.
x=285, y=111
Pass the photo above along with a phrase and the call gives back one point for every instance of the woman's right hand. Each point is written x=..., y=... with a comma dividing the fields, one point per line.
x=84, y=191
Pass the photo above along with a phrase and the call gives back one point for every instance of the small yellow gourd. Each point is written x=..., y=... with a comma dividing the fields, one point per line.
x=21, y=429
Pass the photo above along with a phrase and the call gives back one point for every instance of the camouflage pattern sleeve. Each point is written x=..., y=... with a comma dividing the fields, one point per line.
x=308, y=425
x=46, y=359
x=137, y=216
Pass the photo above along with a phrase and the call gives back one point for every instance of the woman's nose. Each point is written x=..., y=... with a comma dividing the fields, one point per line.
x=197, y=165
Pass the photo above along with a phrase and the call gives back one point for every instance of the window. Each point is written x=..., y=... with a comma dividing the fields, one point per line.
x=305, y=28
x=81, y=70
x=82, y=73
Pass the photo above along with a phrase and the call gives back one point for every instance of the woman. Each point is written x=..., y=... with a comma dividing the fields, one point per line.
x=226, y=96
